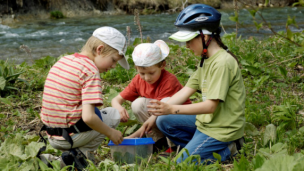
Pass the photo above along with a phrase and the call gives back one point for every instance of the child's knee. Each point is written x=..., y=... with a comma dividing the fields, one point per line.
x=110, y=116
x=138, y=105
x=160, y=121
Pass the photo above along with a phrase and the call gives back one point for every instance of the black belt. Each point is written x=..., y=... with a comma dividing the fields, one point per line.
x=79, y=127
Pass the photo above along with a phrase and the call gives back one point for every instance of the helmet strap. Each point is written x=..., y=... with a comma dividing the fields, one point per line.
x=205, y=47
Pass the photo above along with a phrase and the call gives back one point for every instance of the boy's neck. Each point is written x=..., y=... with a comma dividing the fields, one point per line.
x=87, y=54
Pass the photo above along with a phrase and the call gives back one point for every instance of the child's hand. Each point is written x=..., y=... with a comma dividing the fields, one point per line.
x=148, y=125
x=124, y=115
x=159, y=108
x=116, y=136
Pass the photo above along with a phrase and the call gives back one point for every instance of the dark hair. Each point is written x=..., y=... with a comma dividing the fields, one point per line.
x=219, y=41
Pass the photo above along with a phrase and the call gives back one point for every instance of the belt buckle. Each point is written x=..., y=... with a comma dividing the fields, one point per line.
x=75, y=127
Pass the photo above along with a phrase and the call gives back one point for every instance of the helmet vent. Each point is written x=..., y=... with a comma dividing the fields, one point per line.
x=196, y=16
x=198, y=7
x=182, y=16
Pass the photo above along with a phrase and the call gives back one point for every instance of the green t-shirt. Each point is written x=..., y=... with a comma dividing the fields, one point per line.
x=220, y=78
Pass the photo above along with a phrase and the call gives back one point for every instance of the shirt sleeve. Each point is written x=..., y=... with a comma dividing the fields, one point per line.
x=130, y=92
x=219, y=83
x=193, y=81
x=91, y=90
x=171, y=87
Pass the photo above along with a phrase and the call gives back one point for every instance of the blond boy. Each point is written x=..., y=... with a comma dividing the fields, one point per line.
x=73, y=90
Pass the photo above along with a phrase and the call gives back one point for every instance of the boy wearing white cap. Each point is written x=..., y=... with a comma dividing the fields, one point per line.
x=151, y=82
x=73, y=89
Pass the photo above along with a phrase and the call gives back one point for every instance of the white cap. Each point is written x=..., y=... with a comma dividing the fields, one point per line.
x=186, y=35
x=149, y=54
x=116, y=40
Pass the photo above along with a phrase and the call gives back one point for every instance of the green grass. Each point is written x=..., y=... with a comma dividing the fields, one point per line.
x=272, y=70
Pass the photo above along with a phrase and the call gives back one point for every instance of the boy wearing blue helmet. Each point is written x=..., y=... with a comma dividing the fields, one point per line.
x=216, y=123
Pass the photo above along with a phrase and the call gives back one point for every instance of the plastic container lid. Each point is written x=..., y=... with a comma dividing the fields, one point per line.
x=134, y=141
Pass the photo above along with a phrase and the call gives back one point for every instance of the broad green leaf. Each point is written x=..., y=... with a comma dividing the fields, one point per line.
x=265, y=152
x=250, y=129
x=180, y=154
x=291, y=21
x=289, y=34
x=278, y=147
x=244, y=62
x=300, y=161
x=301, y=129
x=283, y=71
x=32, y=149
x=4, y=162
x=5, y=101
x=2, y=83
x=279, y=163
x=300, y=49
x=131, y=115
x=270, y=134
x=11, y=88
x=136, y=41
x=258, y=161
x=106, y=164
x=253, y=70
x=43, y=166
x=192, y=159
x=258, y=26
x=217, y=156
x=266, y=3
x=292, y=64
x=252, y=12
x=27, y=165
x=164, y=159
x=242, y=165
x=128, y=123
x=113, y=93
x=131, y=130
x=189, y=71
x=233, y=18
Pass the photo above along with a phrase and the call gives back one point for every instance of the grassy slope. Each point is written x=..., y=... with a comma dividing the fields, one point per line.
x=273, y=75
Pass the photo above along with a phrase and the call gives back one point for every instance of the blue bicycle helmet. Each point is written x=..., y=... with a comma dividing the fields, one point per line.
x=194, y=20
x=198, y=16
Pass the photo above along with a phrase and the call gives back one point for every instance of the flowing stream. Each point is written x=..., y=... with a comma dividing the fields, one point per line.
x=56, y=37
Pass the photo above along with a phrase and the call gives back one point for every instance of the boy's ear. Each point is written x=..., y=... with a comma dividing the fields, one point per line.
x=99, y=49
x=163, y=65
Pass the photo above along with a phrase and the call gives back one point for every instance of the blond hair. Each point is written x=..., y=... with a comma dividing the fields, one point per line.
x=92, y=44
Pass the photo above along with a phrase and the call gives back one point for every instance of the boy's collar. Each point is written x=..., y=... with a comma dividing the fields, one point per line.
x=77, y=55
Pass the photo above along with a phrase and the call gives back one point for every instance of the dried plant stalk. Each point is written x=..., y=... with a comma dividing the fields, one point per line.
x=236, y=11
x=137, y=22
x=28, y=51
x=128, y=35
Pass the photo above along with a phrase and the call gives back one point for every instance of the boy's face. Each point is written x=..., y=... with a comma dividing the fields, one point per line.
x=106, y=62
x=150, y=74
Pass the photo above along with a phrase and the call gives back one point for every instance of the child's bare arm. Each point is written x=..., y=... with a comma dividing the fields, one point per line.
x=181, y=96
x=159, y=108
x=145, y=128
x=136, y=133
x=94, y=122
x=116, y=103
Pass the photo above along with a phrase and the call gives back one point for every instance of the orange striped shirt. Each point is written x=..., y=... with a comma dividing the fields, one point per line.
x=74, y=80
